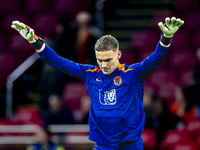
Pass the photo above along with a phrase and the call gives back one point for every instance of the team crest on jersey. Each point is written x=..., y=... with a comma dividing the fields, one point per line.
x=108, y=97
x=117, y=80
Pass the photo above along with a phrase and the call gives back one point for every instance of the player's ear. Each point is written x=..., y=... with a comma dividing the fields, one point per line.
x=119, y=54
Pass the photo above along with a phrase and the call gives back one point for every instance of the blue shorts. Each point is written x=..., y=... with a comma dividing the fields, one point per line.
x=138, y=145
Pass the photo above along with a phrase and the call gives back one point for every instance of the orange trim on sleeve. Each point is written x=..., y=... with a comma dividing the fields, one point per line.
x=93, y=70
x=122, y=68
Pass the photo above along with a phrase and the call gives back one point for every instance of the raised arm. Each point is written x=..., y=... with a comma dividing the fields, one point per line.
x=49, y=55
x=151, y=63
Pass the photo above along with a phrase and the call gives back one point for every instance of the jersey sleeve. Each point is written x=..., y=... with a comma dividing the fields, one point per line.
x=153, y=62
x=57, y=62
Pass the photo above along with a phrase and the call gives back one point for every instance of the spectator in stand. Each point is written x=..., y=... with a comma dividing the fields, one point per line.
x=57, y=113
x=192, y=94
x=43, y=141
x=80, y=35
x=160, y=118
x=197, y=79
x=148, y=102
x=87, y=34
x=197, y=67
x=182, y=107
x=75, y=41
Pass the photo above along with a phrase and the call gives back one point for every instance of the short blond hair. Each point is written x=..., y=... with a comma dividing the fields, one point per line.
x=106, y=43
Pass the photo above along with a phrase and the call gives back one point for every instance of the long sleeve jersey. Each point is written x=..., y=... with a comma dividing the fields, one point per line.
x=116, y=111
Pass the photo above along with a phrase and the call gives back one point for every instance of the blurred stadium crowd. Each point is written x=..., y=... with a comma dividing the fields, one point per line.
x=44, y=96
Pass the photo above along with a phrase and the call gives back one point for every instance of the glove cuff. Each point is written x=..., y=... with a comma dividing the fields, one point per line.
x=33, y=41
x=38, y=44
x=164, y=41
x=167, y=36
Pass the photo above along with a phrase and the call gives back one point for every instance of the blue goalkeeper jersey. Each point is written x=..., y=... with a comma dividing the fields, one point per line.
x=116, y=111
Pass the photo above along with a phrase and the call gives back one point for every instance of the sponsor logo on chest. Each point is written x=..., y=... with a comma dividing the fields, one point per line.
x=108, y=97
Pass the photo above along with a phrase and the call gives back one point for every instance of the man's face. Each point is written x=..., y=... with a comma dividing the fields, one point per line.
x=108, y=60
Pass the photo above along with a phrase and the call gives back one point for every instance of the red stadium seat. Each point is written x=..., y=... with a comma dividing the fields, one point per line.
x=67, y=8
x=5, y=121
x=172, y=138
x=2, y=42
x=149, y=139
x=72, y=94
x=186, y=5
x=28, y=115
x=149, y=84
x=198, y=140
x=185, y=146
x=193, y=128
x=145, y=40
x=19, y=44
x=44, y=24
x=37, y=6
x=195, y=40
x=193, y=125
x=192, y=20
x=127, y=57
x=7, y=6
x=180, y=40
x=182, y=59
x=7, y=61
x=20, y=47
x=185, y=77
x=159, y=79
x=164, y=82
x=166, y=90
x=162, y=75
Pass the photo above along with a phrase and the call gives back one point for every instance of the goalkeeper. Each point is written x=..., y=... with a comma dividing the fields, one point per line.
x=116, y=119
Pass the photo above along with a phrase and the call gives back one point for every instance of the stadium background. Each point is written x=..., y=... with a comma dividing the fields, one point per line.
x=134, y=24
